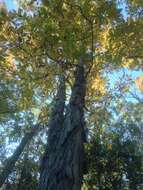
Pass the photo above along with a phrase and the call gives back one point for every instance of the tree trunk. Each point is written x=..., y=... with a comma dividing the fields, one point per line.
x=55, y=125
x=13, y=159
x=63, y=168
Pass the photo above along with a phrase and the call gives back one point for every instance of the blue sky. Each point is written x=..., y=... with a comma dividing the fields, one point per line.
x=10, y=4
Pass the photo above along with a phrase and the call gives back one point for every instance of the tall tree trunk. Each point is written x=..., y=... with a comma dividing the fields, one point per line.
x=55, y=125
x=63, y=169
x=13, y=159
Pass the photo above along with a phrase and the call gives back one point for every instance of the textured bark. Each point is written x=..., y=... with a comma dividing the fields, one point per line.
x=13, y=159
x=63, y=167
x=55, y=125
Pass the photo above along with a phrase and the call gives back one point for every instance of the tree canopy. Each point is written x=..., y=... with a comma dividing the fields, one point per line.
x=83, y=43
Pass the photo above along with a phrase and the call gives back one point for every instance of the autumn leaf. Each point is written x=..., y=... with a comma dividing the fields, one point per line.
x=139, y=83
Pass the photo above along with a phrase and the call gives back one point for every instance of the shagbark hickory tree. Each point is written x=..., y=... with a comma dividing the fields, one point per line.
x=82, y=38
x=63, y=164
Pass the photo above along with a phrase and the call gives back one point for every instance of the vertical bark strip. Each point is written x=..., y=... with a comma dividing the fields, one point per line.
x=63, y=168
x=70, y=172
x=55, y=125
x=13, y=159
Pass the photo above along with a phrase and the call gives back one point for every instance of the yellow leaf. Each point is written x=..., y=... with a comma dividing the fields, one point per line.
x=98, y=84
x=10, y=61
x=109, y=146
x=129, y=63
x=139, y=83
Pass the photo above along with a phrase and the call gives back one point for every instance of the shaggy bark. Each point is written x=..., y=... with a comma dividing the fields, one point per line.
x=55, y=125
x=13, y=159
x=63, y=166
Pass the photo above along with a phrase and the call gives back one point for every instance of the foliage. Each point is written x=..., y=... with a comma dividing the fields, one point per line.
x=114, y=155
x=35, y=41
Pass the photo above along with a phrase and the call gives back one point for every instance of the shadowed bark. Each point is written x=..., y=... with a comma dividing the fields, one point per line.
x=63, y=166
x=55, y=125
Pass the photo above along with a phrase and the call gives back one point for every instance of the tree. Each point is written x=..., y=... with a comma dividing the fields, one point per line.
x=10, y=163
x=85, y=38
x=114, y=153
x=52, y=150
